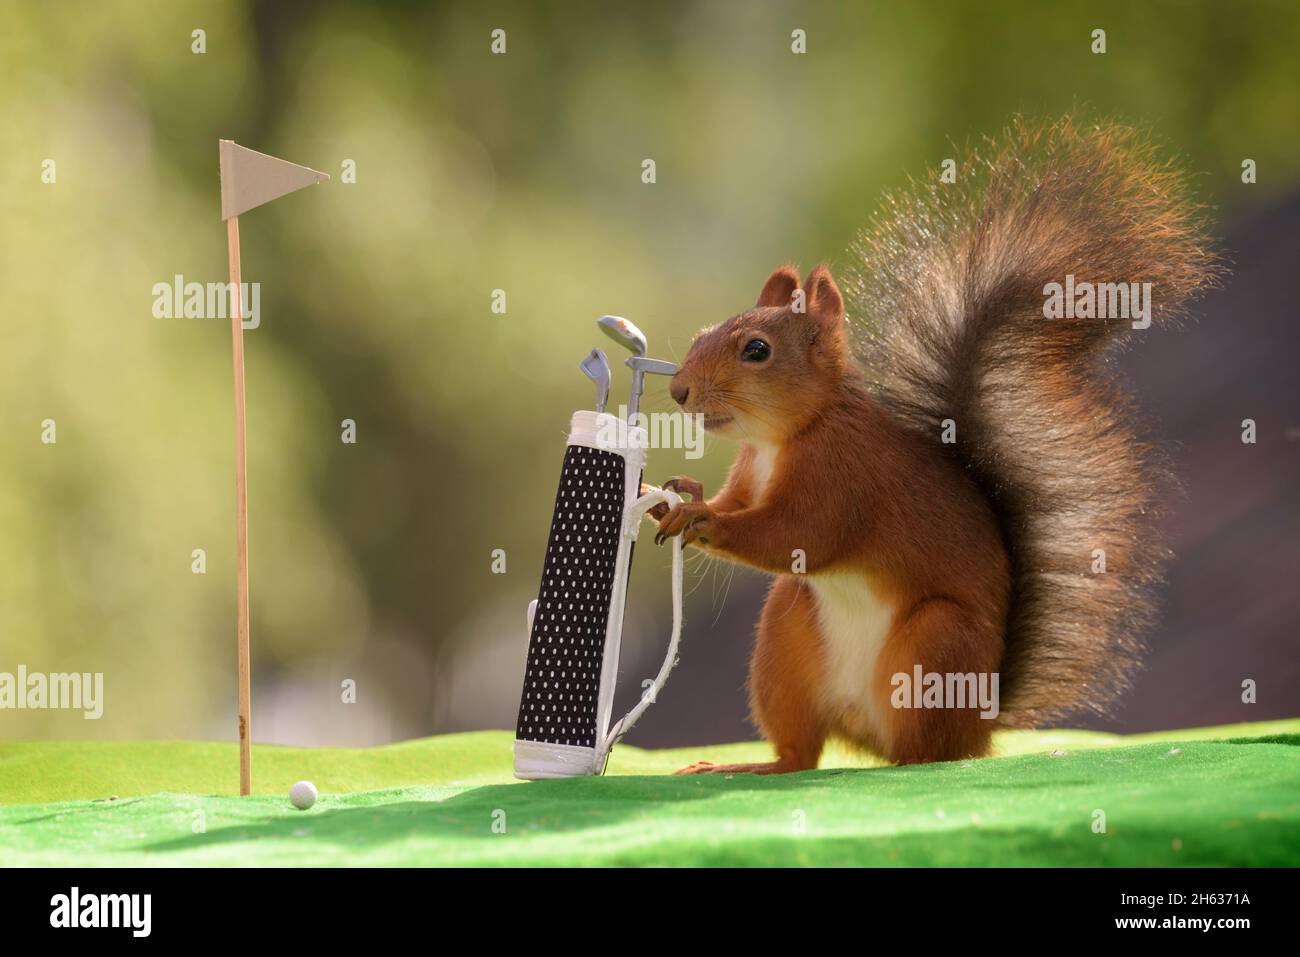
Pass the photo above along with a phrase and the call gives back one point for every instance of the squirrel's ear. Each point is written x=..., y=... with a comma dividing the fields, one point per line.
x=822, y=297
x=780, y=286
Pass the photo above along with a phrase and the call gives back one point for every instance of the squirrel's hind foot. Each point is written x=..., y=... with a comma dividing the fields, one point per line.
x=767, y=767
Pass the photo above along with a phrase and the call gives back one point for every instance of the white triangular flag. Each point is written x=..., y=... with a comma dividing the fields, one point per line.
x=250, y=178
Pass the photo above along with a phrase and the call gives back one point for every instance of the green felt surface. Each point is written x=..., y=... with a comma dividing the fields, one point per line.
x=1209, y=796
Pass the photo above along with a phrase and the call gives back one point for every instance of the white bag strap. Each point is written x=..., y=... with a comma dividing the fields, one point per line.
x=631, y=529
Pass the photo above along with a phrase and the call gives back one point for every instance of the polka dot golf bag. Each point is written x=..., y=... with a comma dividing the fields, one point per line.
x=575, y=624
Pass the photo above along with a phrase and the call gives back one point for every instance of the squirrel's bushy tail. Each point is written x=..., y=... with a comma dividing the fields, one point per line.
x=948, y=291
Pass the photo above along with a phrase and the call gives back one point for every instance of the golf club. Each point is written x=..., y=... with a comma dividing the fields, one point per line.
x=626, y=334
x=596, y=368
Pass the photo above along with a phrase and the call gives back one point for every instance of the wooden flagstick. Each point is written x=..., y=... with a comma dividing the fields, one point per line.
x=241, y=514
x=248, y=179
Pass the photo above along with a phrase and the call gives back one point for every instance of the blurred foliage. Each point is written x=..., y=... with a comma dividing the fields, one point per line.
x=474, y=172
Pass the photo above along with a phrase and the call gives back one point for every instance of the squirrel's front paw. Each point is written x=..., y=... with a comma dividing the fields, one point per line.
x=680, y=484
x=692, y=520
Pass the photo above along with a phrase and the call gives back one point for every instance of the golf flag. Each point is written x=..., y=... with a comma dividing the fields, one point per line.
x=250, y=178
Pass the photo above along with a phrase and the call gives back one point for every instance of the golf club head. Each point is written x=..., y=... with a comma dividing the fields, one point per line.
x=596, y=368
x=624, y=333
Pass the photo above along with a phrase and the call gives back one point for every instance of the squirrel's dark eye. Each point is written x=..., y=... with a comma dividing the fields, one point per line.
x=756, y=350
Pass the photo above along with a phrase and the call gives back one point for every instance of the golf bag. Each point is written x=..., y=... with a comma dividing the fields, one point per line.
x=575, y=624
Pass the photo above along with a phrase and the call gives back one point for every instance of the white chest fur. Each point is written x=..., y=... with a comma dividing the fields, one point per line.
x=760, y=472
x=854, y=623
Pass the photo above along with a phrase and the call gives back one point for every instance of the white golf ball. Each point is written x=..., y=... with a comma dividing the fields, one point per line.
x=303, y=795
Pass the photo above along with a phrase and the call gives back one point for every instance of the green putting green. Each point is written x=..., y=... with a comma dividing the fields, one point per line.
x=1209, y=796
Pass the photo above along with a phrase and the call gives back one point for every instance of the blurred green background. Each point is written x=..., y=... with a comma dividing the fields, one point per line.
x=475, y=172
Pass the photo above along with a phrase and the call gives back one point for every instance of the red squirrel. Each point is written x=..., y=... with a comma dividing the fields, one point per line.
x=942, y=498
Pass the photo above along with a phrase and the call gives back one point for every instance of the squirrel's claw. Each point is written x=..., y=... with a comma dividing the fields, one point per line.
x=685, y=486
x=682, y=486
x=689, y=519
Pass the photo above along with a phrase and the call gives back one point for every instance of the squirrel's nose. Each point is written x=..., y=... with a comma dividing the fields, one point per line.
x=679, y=392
